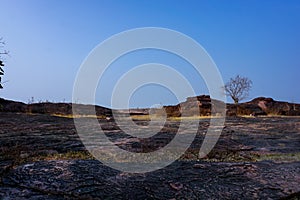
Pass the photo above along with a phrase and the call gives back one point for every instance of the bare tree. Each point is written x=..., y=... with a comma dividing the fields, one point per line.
x=2, y=52
x=238, y=88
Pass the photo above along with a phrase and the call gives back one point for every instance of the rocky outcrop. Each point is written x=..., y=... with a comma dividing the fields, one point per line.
x=272, y=107
x=256, y=107
x=193, y=106
x=244, y=109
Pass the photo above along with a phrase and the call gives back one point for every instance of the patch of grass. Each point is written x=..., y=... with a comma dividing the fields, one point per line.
x=140, y=117
x=158, y=117
x=218, y=156
x=19, y=155
x=71, y=116
x=70, y=155
x=64, y=116
x=280, y=157
x=191, y=118
x=240, y=156
x=229, y=157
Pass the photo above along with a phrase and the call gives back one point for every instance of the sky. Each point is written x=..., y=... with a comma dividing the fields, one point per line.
x=48, y=40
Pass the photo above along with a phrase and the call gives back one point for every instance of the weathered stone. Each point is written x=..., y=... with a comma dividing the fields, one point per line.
x=233, y=165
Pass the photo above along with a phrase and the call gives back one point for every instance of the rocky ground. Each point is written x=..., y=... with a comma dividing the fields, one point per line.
x=42, y=157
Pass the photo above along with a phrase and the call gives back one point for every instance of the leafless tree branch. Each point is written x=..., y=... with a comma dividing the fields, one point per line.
x=238, y=88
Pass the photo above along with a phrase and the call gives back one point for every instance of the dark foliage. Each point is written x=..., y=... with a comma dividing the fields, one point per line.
x=2, y=52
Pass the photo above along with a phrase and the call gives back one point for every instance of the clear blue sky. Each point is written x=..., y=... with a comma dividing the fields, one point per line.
x=49, y=39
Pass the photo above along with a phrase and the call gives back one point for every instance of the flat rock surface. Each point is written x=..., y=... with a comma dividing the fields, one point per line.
x=183, y=180
x=255, y=158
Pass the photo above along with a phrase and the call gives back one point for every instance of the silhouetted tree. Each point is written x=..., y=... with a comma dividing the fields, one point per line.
x=2, y=52
x=238, y=88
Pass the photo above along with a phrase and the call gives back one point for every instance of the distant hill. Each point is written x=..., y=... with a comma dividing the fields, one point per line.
x=255, y=107
x=194, y=106
x=49, y=108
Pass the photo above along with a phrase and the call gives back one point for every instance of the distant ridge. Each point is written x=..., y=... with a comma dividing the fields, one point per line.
x=255, y=107
x=49, y=108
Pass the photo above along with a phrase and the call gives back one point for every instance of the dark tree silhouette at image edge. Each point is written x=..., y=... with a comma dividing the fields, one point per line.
x=2, y=52
x=238, y=88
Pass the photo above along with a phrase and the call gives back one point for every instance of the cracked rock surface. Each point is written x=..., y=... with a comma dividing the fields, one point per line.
x=255, y=158
x=89, y=179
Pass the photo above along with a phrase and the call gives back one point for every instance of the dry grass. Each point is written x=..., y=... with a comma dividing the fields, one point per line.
x=147, y=118
x=141, y=117
x=280, y=157
x=16, y=153
x=71, y=116
x=19, y=155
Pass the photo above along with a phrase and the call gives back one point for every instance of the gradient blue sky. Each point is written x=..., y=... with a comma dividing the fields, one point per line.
x=48, y=41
